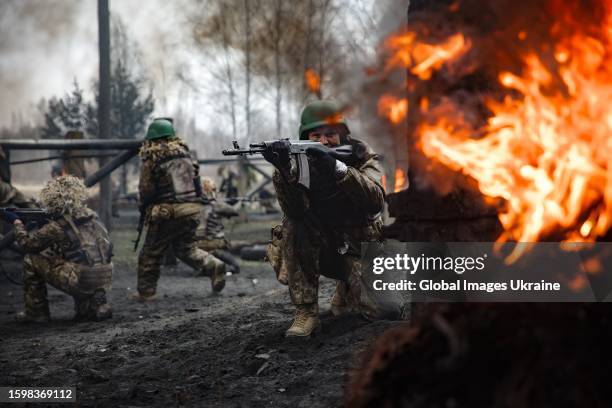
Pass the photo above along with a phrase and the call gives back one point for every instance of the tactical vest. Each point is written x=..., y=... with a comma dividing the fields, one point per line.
x=333, y=207
x=90, y=244
x=178, y=181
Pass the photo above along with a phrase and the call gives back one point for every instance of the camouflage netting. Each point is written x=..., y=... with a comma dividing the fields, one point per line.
x=64, y=195
x=157, y=149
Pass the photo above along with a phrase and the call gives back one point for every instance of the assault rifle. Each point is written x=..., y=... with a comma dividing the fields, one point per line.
x=31, y=217
x=299, y=149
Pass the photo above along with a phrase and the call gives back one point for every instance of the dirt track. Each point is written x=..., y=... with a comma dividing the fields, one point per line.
x=190, y=347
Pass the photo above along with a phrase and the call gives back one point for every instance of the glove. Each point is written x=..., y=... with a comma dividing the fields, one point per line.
x=323, y=162
x=10, y=217
x=278, y=154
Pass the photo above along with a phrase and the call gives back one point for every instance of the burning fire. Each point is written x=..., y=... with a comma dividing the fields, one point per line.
x=546, y=146
x=401, y=181
x=313, y=80
x=422, y=59
x=392, y=108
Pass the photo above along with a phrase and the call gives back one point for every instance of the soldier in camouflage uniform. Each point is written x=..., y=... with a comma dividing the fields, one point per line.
x=171, y=199
x=72, y=252
x=210, y=233
x=323, y=227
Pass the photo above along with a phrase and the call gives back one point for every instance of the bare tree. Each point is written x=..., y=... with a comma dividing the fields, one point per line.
x=247, y=66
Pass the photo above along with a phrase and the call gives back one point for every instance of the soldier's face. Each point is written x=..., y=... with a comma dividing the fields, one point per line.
x=326, y=136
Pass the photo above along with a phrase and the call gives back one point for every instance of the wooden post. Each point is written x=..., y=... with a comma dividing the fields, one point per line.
x=104, y=103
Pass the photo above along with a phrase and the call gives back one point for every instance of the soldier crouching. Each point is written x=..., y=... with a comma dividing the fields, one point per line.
x=72, y=252
x=324, y=226
x=171, y=198
x=210, y=234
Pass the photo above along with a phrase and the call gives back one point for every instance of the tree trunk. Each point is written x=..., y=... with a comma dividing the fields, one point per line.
x=310, y=11
x=277, y=63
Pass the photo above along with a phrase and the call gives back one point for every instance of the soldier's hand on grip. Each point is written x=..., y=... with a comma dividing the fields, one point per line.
x=323, y=161
x=278, y=154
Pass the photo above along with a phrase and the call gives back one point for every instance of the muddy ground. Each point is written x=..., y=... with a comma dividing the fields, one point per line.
x=190, y=347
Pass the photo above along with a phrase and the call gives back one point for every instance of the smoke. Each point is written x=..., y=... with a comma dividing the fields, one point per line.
x=37, y=47
x=46, y=45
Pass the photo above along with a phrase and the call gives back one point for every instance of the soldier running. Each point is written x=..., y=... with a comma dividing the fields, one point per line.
x=171, y=200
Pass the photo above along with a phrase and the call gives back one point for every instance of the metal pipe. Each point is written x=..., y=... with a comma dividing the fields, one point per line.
x=81, y=156
x=109, y=167
x=259, y=188
x=71, y=144
x=260, y=171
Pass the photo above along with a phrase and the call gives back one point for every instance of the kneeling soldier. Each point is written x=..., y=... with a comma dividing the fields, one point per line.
x=210, y=233
x=72, y=252
x=323, y=227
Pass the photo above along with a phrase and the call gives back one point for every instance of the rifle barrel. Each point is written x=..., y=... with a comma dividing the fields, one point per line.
x=236, y=152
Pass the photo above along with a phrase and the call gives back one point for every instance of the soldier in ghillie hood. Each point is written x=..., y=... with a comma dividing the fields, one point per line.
x=324, y=225
x=171, y=200
x=71, y=252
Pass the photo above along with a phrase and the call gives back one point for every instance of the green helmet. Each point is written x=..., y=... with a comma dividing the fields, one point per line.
x=160, y=128
x=320, y=113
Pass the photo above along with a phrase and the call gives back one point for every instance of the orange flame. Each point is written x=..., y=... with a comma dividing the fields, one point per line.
x=401, y=181
x=547, y=155
x=422, y=59
x=392, y=108
x=546, y=147
x=313, y=80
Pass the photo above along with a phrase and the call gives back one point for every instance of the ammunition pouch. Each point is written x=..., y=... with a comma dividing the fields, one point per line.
x=274, y=255
x=160, y=212
x=95, y=277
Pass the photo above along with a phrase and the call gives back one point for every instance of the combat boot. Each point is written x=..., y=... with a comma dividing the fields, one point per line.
x=217, y=280
x=25, y=317
x=306, y=321
x=100, y=309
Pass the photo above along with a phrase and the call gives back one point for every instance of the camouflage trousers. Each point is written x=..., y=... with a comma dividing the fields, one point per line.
x=303, y=276
x=78, y=281
x=299, y=260
x=210, y=245
x=178, y=233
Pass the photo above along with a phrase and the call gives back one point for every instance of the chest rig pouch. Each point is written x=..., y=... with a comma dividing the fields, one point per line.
x=179, y=182
x=90, y=244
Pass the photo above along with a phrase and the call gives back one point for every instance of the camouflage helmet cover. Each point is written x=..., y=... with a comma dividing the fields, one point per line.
x=64, y=195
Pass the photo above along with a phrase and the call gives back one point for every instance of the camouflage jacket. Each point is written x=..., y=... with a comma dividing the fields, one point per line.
x=211, y=226
x=52, y=239
x=354, y=211
x=154, y=180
